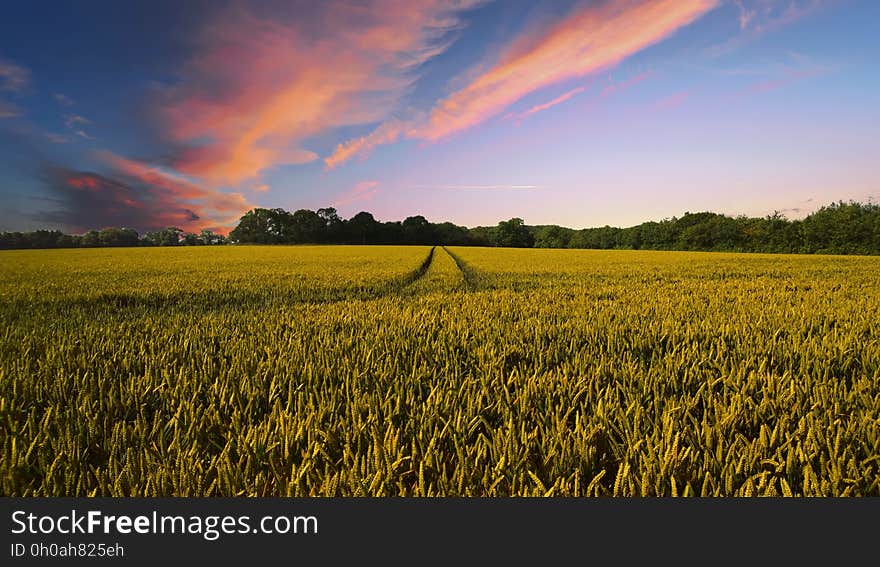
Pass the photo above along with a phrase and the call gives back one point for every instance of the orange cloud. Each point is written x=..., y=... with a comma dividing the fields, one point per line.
x=210, y=208
x=592, y=38
x=81, y=181
x=541, y=107
x=384, y=134
x=257, y=89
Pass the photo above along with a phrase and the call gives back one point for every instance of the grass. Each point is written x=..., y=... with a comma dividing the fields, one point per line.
x=423, y=371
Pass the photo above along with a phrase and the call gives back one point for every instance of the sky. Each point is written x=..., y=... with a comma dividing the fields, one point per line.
x=572, y=112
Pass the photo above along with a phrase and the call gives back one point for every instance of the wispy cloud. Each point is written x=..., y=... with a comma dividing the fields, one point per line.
x=75, y=123
x=757, y=18
x=257, y=89
x=75, y=120
x=63, y=100
x=520, y=116
x=363, y=191
x=671, y=101
x=57, y=138
x=591, y=38
x=9, y=110
x=385, y=134
x=13, y=78
x=746, y=14
x=795, y=68
x=761, y=16
x=616, y=87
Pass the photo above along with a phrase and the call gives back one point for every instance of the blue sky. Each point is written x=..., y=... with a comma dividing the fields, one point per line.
x=579, y=113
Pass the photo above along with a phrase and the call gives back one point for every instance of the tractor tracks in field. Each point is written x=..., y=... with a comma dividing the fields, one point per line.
x=442, y=271
x=471, y=279
x=419, y=272
x=138, y=304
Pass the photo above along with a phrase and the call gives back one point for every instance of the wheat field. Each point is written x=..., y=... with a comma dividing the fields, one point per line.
x=426, y=371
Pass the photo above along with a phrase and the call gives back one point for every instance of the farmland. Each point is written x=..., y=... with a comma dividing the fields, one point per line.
x=427, y=371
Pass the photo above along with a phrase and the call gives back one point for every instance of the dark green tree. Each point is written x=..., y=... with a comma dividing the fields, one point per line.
x=170, y=236
x=362, y=228
x=513, y=233
x=306, y=227
x=417, y=230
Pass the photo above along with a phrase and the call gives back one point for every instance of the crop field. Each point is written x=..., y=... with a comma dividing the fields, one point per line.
x=427, y=371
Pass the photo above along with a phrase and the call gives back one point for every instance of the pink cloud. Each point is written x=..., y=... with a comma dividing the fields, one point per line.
x=613, y=87
x=789, y=77
x=672, y=101
x=384, y=134
x=550, y=104
x=591, y=38
x=363, y=191
x=91, y=200
x=746, y=15
x=211, y=208
x=257, y=89
x=84, y=181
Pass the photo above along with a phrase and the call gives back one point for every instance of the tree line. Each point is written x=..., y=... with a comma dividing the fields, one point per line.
x=839, y=228
x=108, y=237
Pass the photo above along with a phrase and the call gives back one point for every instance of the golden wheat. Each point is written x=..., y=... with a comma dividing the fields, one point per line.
x=381, y=371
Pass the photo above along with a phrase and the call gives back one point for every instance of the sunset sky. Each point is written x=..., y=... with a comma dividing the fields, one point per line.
x=578, y=113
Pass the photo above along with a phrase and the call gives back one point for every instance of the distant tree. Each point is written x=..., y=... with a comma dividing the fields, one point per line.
x=306, y=227
x=362, y=228
x=553, y=237
x=840, y=228
x=631, y=238
x=481, y=236
x=91, y=238
x=390, y=232
x=715, y=232
x=513, y=234
x=603, y=238
x=417, y=230
x=170, y=236
x=333, y=225
x=260, y=226
x=210, y=238
x=191, y=239
x=450, y=234
x=117, y=237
